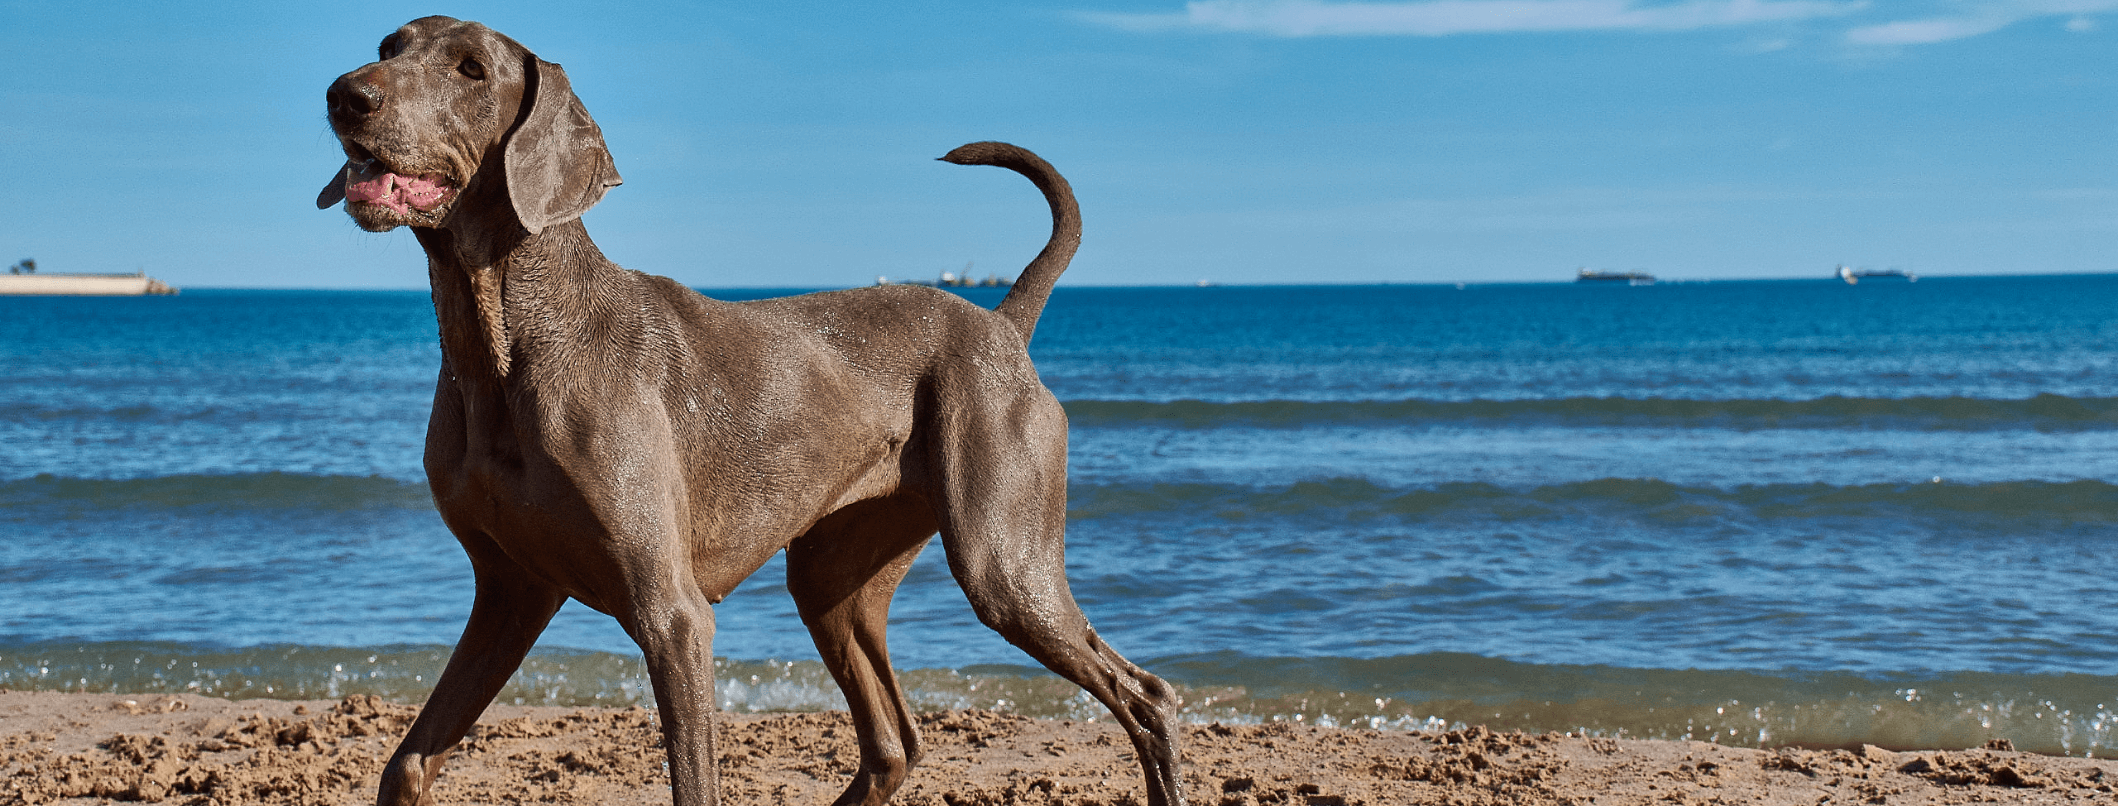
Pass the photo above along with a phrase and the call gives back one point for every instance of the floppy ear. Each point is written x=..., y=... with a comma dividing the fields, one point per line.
x=557, y=166
x=334, y=192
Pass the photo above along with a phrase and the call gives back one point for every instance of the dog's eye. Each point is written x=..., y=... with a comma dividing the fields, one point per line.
x=471, y=68
x=388, y=49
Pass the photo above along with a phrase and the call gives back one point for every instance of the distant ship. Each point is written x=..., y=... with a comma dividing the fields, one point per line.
x=950, y=279
x=1854, y=276
x=22, y=279
x=1626, y=277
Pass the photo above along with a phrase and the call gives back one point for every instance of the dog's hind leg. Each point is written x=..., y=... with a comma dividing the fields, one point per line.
x=510, y=610
x=842, y=575
x=1003, y=514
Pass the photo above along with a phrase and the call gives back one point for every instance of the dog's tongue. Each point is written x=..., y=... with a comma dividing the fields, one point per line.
x=399, y=193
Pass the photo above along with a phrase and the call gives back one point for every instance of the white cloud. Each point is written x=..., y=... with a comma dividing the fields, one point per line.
x=1303, y=18
x=1944, y=21
x=1979, y=17
x=1926, y=32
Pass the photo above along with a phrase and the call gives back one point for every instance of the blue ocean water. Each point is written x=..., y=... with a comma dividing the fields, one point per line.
x=1785, y=511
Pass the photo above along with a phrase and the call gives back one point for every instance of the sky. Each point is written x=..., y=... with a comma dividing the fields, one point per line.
x=792, y=144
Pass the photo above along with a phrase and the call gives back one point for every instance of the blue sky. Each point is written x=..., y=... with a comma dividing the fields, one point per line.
x=1241, y=141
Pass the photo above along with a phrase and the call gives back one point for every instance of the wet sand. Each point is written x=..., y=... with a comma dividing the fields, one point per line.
x=92, y=748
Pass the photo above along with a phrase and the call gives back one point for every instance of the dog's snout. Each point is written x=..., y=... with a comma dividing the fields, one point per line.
x=352, y=100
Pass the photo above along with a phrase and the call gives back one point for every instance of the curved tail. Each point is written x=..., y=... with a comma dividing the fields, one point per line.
x=1025, y=301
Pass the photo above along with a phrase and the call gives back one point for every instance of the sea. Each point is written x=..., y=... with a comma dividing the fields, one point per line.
x=1759, y=513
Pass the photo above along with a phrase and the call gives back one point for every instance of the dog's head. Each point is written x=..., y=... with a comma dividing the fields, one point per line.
x=453, y=110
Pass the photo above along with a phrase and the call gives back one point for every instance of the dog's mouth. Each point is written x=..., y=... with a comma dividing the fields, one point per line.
x=371, y=182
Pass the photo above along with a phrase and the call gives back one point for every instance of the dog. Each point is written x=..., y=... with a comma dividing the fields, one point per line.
x=615, y=438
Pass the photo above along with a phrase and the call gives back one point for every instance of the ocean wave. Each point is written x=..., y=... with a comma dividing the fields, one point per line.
x=2053, y=714
x=2045, y=412
x=252, y=491
x=2060, y=714
x=135, y=413
x=2083, y=501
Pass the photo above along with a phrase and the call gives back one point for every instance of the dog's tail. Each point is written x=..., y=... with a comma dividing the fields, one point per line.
x=1025, y=301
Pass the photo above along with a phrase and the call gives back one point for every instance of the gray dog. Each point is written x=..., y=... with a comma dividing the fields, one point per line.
x=613, y=437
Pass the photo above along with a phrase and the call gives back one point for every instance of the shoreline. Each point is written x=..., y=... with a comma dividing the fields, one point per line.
x=72, y=748
x=2057, y=714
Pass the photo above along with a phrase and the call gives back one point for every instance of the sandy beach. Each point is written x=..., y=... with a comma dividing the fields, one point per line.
x=92, y=748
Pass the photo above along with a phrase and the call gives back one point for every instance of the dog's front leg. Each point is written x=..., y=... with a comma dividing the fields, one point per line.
x=673, y=623
x=511, y=609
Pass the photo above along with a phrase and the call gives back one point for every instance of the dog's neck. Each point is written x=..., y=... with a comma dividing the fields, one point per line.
x=482, y=280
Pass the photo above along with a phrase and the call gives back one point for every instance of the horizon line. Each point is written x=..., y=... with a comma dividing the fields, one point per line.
x=1216, y=284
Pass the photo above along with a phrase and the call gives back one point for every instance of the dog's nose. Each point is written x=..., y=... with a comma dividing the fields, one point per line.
x=352, y=100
